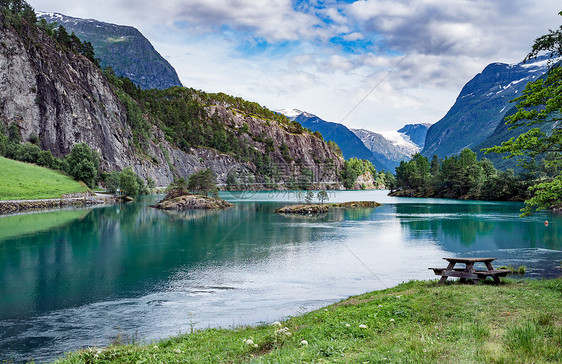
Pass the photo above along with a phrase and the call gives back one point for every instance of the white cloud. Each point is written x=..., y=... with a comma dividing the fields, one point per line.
x=448, y=42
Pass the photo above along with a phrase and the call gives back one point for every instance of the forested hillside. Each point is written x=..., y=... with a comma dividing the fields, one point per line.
x=54, y=95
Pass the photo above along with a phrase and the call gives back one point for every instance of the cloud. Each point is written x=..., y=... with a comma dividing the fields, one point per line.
x=325, y=56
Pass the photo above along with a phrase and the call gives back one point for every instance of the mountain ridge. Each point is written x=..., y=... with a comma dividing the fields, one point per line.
x=480, y=107
x=123, y=48
x=60, y=98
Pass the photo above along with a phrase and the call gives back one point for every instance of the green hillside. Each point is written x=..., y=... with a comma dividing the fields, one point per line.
x=21, y=181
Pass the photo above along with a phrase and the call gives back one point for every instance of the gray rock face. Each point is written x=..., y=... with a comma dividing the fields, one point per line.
x=122, y=48
x=64, y=99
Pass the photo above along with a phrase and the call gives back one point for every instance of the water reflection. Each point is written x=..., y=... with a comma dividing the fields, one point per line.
x=78, y=281
x=478, y=227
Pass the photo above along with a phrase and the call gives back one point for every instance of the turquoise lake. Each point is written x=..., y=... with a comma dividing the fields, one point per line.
x=77, y=278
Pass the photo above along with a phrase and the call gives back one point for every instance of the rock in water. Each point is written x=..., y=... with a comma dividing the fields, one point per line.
x=303, y=209
x=192, y=202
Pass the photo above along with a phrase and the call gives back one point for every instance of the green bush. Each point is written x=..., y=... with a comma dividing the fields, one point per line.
x=129, y=182
x=83, y=164
x=112, y=181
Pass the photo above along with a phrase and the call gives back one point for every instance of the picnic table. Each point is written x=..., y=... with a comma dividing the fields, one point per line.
x=468, y=272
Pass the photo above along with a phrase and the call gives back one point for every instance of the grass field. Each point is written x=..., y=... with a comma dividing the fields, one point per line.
x=415, y=322
x=22, y=181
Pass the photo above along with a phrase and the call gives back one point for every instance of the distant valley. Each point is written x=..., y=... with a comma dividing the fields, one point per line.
x=384, y=149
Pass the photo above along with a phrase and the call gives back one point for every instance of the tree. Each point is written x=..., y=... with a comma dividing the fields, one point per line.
x=203, y=181
x=322, y=196
x=83, y=164
x=540, y=105
x=112, y=181
x=309, y=196
x=129, y=182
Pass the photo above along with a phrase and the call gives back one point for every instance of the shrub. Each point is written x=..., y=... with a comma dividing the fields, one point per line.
x=83, y=164
x=129, y=182
x=112, y=181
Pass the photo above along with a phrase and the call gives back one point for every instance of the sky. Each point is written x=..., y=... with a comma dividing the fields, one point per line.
x=371, y=64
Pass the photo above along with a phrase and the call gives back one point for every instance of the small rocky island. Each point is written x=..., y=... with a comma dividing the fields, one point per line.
x=303, y=209
x=322, y=209
x=181, y=200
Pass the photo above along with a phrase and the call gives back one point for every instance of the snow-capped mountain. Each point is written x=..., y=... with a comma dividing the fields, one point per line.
x=385, y=149
x=391, y=147
x=481, y=106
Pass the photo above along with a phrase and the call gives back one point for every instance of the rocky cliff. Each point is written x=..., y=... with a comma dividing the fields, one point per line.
x=64, y=99
x=122, y=48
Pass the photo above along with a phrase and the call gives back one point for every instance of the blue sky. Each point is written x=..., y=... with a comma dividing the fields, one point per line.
x=325, y=56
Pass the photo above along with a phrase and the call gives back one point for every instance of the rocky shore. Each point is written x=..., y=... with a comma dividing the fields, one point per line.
x=77, y=199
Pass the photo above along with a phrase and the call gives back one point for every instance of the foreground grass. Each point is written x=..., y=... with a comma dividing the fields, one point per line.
x=22, y=181
x=415, y=322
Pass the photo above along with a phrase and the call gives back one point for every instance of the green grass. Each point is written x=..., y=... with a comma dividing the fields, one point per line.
x=415, y=322
x=11, y=226
x=22, y=181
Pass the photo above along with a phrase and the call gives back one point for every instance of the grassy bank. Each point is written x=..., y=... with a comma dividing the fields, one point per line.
x=415, y=322
x=22, y=181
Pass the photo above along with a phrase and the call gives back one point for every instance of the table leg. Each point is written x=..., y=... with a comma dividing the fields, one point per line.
x=449, y=267
x=489, y=265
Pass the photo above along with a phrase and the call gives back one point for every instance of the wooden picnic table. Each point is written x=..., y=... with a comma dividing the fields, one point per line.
x=468, y=272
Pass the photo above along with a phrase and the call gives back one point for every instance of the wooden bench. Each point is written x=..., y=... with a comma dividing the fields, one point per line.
x=468, y=272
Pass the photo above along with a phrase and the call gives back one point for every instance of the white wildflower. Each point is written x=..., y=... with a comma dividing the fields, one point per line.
x=178, y=351
x=283, y=331
x=155, y=347
x=391, y=320
x=347, y=325
x=250, y=342
x=304, y=342
x=276, y=323
x=326, y=309
x=256, y=345
x=362, y=326
x=380, y=306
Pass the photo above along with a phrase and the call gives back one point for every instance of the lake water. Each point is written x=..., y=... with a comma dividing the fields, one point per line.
x=77, y=278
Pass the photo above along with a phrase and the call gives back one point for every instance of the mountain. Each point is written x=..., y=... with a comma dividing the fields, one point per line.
x=350, y=145
x=416, y=132
x=389, y=147
x=122, y=48
x=480, y=107
x=59, y=98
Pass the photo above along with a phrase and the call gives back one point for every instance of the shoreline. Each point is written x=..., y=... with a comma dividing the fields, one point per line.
x=471, y=323
x=12, y=207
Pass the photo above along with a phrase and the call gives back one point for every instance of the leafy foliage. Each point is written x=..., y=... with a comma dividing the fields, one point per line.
x=127, y=182
x=353, y=168
x=21, y=16
x=461, y=176
x=83, y=164
x=203, y=181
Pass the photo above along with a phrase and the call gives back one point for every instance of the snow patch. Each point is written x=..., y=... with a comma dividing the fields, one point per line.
x=398, y=139
x=290, y=113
